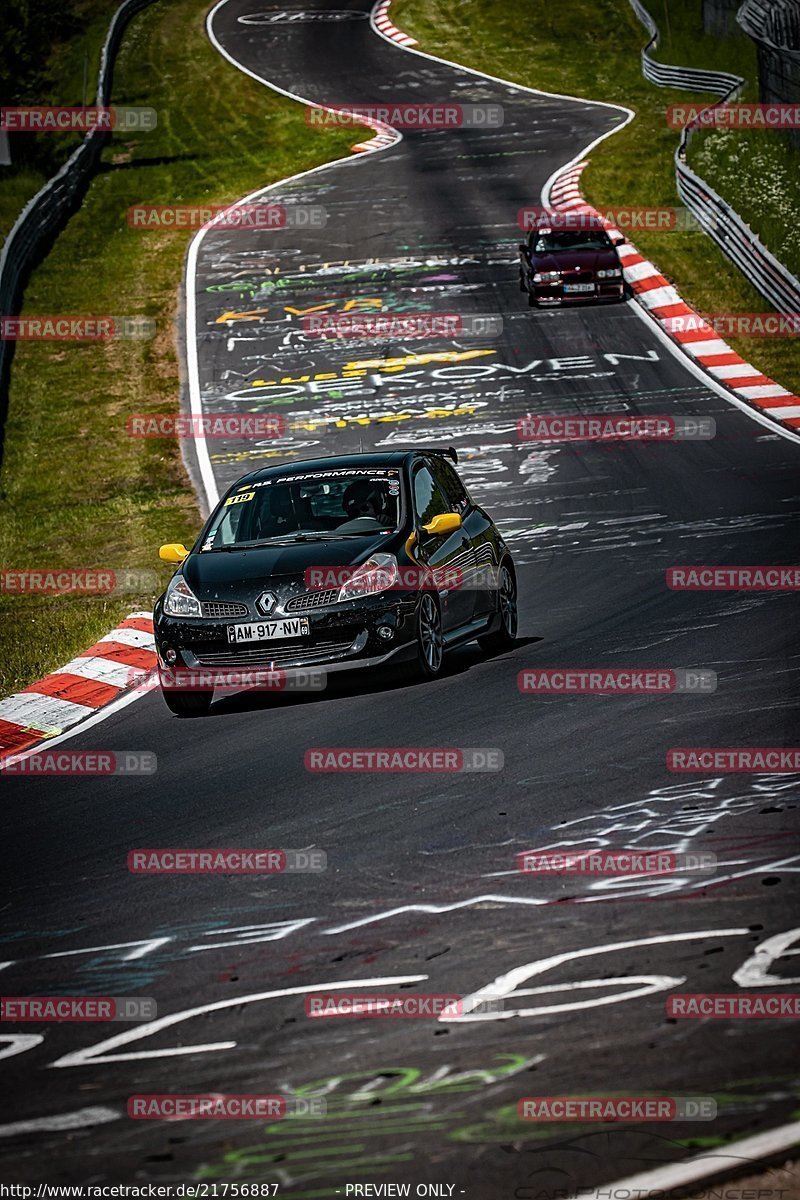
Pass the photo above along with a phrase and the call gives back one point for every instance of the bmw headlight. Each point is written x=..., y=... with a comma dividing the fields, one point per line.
x=547, y=277
x=611, y=273
x=180, y=600
x=377, y=574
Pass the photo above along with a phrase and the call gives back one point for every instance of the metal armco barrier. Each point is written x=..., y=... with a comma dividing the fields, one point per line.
x=736, y=240
x=46, y=212
x=690, y=79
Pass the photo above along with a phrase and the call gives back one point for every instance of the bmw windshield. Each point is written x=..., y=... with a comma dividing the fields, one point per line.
x=317, y=505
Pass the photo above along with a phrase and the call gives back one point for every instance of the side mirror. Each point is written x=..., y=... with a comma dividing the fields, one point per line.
x=173, y=552
x=523, y=246
x=619, y=241
x=444, y=523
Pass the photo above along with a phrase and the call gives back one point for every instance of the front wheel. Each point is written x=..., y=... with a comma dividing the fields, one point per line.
x=532, y=301
x=430, y=641
x=504, y=637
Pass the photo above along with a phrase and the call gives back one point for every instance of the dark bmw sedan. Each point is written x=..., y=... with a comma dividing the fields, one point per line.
x=338, y=563
x=563, y=266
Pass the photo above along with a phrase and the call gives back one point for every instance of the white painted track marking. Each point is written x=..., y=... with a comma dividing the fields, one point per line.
x=713, y=1162
x=82, y=1118
x=92, y=1054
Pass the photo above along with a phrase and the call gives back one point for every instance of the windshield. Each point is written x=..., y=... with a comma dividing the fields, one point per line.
x=571, y=239
x=313, y=505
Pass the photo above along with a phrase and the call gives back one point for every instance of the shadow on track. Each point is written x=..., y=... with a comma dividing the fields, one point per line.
x=362, y=683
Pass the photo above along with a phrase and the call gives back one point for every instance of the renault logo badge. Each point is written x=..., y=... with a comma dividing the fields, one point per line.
x=266, y=602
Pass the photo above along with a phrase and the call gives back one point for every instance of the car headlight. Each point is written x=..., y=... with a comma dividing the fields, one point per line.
x=377, y=574
x=611, y=273
x=547, y=277
x=180, y=600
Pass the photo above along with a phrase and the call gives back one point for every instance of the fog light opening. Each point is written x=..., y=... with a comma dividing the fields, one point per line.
x=386, y=632
x=170, y=656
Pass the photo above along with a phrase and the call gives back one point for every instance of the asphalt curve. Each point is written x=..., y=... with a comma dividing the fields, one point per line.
x=421, y=891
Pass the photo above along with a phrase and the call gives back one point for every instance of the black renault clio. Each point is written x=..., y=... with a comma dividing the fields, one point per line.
x=339, y=563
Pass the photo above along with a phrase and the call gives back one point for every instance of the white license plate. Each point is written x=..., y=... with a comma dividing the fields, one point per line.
x=578, y=287
x=269, y=631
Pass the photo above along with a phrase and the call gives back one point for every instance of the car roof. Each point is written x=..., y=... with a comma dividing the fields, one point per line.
x=383, y=458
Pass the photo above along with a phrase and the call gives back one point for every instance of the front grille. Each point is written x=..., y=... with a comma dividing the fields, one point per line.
x=276, y=655
x=310, y=600
x=224, y=608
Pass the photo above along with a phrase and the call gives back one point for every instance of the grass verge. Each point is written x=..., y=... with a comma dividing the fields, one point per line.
x=683, y=42
x=591, y=48
x=758, y=174
x=75, y=490
x=50, y=55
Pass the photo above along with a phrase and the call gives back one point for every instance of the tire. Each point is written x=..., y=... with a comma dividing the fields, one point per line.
x=430, y=643
x=504, y=637
x=187, y=704
x=532, y=300
x=522, y=287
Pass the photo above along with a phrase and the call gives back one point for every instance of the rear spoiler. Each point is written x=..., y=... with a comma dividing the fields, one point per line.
x=446, y=451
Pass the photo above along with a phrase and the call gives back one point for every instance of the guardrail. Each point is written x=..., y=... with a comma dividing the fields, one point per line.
x=47, y=211
x=736, y=240
x=691, y=79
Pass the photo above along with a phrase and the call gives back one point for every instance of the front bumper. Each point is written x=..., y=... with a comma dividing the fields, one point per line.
x=342, y=637
x=602, y=291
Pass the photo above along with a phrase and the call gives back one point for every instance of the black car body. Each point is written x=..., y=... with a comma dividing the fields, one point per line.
x=272, y=582
x=570, y=266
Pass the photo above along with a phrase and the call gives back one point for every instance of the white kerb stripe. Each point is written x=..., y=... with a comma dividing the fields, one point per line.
x=700, y=349
x=642, y=270
x=103, y=670
x=789, y=410
x=138, y=638
x=43, y=713
x=763, y=390
x=734, y=371
x=657, y=297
